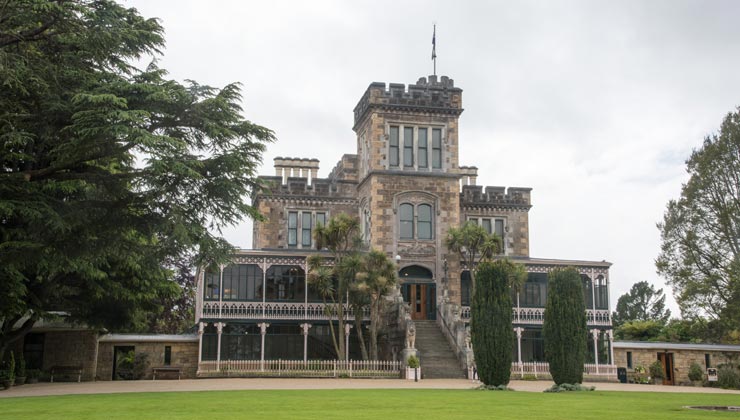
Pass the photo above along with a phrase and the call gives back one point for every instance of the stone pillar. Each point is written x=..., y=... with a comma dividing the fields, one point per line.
x=200, y=344
x=347, y=328
x=304, y=330
x=595, y=334
x=263, y=330
x=219, y=330
x=610, y=335
x=519, y=332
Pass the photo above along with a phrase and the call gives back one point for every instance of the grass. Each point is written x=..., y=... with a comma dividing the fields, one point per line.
x=367, y=404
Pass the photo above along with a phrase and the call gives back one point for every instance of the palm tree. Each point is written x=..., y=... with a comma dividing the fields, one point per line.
x=473, y=244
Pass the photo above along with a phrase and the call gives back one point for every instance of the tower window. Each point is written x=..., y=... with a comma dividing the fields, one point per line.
x=423, y=148
x=415, y=221
x=408, y=146
x=393, y=152
x=436, y=148
x=406, y=215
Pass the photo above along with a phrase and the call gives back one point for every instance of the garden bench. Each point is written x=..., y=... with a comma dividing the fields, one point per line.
x=160, y=369
x=57, y=370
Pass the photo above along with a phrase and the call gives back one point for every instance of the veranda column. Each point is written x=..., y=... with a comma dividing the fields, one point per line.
x=219, y=329
x=305, y=291
x=264, y=284
x=220, y=290
x=347, y=327
x=263, y=330
x=304, y=330
x=595, y=334
x=610, y=334
x=200, y=344
x=519, y=331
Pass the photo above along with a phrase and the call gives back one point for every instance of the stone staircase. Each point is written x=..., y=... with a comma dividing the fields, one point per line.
x=437, y=358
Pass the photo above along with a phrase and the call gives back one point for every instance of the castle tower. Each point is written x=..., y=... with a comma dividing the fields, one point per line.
x=409, y=177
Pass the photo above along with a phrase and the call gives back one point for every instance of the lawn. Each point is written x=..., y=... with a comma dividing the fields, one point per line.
x=367, y=404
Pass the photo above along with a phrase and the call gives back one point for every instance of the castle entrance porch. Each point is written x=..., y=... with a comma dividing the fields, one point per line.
x=419, y=291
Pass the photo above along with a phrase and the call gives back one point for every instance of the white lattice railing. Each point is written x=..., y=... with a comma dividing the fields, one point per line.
x=536, y=316
x=273, y=310
x=299, y=368
x=541, y=370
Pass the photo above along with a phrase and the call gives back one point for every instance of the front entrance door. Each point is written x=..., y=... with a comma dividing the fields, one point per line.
x=666, y=359
x=421, y=298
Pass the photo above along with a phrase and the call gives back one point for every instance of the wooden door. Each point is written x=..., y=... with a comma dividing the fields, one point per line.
x=418, y=301
x=666, y=359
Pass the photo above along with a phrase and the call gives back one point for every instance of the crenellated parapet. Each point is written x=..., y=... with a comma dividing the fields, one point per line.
x=346, y=169
x=495, y=197
x=468, y=175
x=286, y=167
x=429, y=94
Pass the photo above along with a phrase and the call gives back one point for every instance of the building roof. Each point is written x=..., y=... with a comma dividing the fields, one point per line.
x=657, y=345
x=147, y=338
x=551, y=261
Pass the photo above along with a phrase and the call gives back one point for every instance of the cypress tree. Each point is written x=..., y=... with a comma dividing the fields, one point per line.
x=491, y=320
x=564, y=329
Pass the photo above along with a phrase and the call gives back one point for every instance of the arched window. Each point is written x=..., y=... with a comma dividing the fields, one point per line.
x=406, y=215
x=424, y=221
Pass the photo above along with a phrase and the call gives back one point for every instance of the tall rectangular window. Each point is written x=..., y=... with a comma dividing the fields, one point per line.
x=707, y=360
x=408, y=146
x=306, y=229
x=629, y=360
x=406, y=216
x=167, y=355
x=321, y=219
x=393, y=149
x=293, y=228
x=486, y=223
x=437, y=148
x=424, y=221
x=423, y=148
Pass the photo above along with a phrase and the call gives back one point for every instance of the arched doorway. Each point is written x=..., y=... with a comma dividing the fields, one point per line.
x=419, y=291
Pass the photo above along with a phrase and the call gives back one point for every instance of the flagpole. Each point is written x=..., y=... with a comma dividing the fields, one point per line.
x=434, y=49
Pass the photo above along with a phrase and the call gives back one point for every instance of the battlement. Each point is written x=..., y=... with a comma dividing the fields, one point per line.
x=296, y=168
x=428, y=94
x=475, y=195
x=346, y=169
x=469, y=175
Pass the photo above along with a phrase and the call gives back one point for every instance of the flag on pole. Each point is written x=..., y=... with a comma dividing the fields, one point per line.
x=434, y=43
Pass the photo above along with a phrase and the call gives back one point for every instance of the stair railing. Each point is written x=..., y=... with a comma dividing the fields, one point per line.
x=457, y=333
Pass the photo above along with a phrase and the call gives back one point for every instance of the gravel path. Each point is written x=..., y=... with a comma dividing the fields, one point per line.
x=108, y=387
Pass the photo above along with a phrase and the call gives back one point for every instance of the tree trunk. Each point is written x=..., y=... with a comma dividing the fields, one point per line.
x=360, y=336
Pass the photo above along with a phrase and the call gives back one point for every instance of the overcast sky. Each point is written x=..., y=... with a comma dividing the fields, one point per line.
x=593, y=104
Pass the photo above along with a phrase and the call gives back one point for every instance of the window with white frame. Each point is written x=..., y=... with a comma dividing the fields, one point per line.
x=415, y=221
x=492, y=225
x=303, y=221
x=414, y=147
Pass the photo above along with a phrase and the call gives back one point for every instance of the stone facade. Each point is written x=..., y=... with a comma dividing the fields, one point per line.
x=683, y=355
x=184, y=354
x=66, y=348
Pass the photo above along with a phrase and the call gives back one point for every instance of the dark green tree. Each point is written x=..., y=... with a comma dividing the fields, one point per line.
x=473, y=244
x=107, y=172
x=491, y=328
x=642, y=303
x=564, y=330
x=700, y=232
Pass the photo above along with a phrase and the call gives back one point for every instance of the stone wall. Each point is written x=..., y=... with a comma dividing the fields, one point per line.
x=184, y=354
x=682, y=359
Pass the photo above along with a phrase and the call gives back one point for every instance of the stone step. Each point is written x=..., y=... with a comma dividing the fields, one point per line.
x=436, y=356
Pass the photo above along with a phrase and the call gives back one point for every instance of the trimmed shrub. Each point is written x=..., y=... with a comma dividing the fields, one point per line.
x=656, y=370
x=696, y=373
x=491, y=329
x=569, y=388
x=564, y=329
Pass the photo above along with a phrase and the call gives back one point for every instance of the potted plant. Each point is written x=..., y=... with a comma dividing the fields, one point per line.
x=32, y=376
x=413, y=371
x=656, y=372
x=4, y=381
x=696, y=374
x=20, y=370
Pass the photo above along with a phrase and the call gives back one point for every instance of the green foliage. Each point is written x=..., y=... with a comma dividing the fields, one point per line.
x=413, y=362
x=656, y=370
x=11, y=367
x=641, y=375
x=473, y=244
x=700, y=255
x=491, y=324
x=494, y=388
x=108, y=172
x=564, y=330
x=33, y=373
x=569, y=388
x=696, y=373
x=728, y=377
x=642, y=303
x=375, y=279
x=638, y=330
